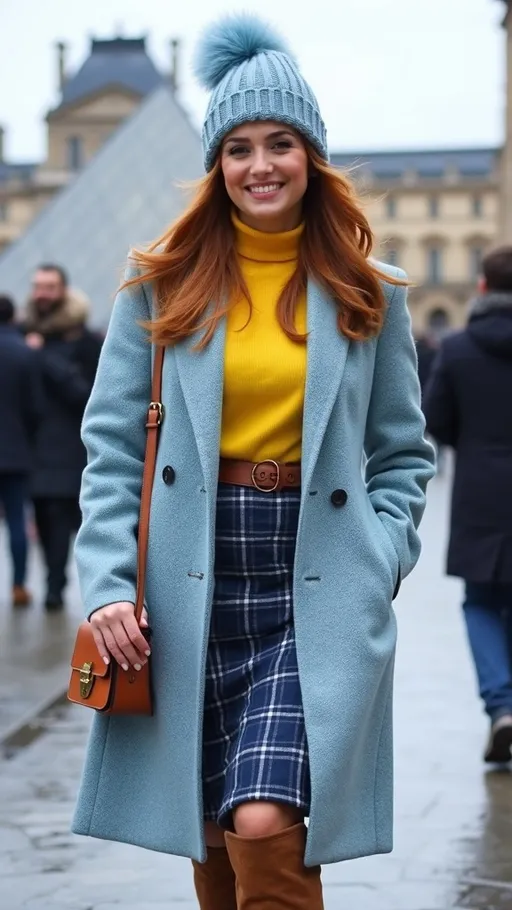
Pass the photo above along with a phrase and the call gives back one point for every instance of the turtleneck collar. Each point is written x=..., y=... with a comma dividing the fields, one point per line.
x=262, y=247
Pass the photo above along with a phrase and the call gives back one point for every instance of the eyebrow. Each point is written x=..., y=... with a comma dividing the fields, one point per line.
x=273, y=135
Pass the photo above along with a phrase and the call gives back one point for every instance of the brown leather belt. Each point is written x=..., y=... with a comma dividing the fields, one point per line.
x=267, y=476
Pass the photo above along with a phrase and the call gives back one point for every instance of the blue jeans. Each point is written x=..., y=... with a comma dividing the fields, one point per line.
x=12, y=498
x=488, y=614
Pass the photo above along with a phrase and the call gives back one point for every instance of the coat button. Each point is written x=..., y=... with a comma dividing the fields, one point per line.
x=339, y=497
x=169, y=475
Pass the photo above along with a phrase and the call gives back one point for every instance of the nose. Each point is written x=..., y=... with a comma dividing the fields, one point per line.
x=261, y=166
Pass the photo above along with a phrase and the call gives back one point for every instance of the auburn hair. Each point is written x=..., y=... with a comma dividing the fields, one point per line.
x=196, y=274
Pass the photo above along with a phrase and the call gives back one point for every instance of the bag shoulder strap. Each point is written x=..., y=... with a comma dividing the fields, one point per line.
x=153, y=423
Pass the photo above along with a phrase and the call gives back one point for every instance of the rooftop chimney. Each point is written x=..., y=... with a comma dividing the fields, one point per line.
x=2, y=136
x=175, y=59
x=61, y=60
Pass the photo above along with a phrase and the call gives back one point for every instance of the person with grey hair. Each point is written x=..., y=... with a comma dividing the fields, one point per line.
x=468, y=406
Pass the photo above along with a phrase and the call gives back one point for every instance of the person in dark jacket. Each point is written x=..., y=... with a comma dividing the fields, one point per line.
x=69, y=352
x=21, y=411
x=468, y=405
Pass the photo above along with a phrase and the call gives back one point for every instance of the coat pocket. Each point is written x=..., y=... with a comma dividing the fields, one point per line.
x=388, y=551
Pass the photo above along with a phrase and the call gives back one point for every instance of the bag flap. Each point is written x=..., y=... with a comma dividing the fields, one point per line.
x=86, y=651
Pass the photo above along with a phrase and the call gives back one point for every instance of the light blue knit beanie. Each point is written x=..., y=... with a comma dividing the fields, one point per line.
x=252, y=76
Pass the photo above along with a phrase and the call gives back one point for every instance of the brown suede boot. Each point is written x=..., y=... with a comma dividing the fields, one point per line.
x=215, y=881
x=270, y=872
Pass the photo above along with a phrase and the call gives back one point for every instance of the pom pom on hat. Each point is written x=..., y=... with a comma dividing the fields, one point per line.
x=231, y=41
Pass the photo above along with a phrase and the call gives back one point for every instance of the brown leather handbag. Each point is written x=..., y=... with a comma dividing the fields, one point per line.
x=110, y=689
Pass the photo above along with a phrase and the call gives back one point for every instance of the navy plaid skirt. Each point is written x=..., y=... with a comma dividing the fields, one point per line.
x=254, y=739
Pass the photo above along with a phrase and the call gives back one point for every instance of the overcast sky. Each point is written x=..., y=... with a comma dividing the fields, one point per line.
x=387, y=73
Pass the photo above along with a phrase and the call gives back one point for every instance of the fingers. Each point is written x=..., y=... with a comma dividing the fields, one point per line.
x=100, y=644
x=144, y=619
x=116, y=632
x=137, y=640
x=112, y=636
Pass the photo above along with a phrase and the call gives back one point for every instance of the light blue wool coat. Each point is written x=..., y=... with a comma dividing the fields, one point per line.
x=142, y=777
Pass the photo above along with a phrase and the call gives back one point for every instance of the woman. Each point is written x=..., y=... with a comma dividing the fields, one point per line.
x=272, y=561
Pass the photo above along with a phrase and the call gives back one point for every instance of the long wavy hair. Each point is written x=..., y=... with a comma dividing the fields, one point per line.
x=196, y=274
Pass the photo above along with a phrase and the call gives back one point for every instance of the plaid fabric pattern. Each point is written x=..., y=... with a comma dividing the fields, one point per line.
x=254, y=740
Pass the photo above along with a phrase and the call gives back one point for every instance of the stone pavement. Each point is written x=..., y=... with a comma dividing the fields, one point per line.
x=453, y=838
x=34, y=646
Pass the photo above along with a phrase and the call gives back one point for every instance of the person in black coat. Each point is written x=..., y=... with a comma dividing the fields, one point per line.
x=68, y=353
x=21, y=412
x=468, y=405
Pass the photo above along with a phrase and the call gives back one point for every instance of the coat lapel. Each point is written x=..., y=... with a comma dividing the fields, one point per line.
x=201, y=375
x=327, y=356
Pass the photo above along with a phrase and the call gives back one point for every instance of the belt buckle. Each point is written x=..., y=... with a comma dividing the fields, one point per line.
x=277, y=475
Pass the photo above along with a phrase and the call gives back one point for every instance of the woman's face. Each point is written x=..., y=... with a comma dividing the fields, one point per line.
x=265, y=167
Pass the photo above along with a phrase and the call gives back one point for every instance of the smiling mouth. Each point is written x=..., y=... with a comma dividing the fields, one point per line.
x=264, y=189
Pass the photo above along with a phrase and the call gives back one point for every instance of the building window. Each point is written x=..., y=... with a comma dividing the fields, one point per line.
x=435, y=265
x=75, y=153
x=391, y=207
x=476, y=254
x=478, y=208
x=433, y=206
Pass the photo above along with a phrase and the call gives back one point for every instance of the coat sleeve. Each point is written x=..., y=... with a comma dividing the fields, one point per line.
x=440, y=402
x=66, y=381
x=400, y=462
x=33, y=396
x=71, y=380
x=114, y=435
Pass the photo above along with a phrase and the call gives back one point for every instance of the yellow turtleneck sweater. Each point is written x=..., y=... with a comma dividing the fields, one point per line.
x=264, y=372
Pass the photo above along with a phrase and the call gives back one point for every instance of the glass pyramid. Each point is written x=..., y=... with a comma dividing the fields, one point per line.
x=124, y=198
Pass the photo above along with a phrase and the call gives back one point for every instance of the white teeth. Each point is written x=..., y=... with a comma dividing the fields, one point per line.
x=268, y=188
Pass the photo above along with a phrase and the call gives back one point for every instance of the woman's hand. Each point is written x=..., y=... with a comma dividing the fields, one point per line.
x=116, y=632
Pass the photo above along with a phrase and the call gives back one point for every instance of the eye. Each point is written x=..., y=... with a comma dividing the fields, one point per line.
x=238, y=150
x=283, y=145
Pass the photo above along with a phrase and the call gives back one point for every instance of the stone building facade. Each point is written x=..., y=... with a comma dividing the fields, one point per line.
x=505, y=220
x=434, y=214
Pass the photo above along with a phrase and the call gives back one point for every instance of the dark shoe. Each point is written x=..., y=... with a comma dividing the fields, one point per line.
x=20, y=596
x=500, y=743
x=54, y=602
x=214, y=881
